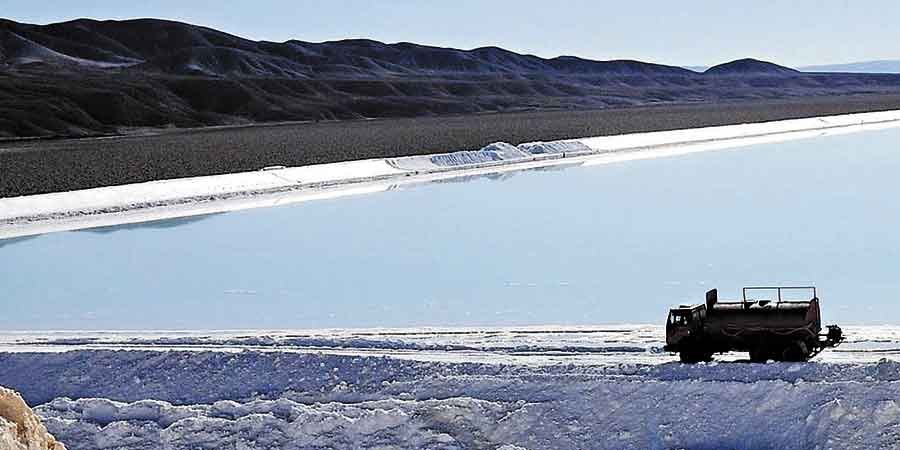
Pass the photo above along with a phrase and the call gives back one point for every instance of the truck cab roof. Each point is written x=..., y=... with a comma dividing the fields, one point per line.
x=686, y=307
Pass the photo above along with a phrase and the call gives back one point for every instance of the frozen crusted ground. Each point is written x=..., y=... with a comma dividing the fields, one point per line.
x=369, y=389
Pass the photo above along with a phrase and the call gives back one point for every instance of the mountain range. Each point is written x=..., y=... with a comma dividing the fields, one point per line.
x=88, y=77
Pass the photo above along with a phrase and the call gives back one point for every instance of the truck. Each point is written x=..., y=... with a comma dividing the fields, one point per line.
x=769, y=327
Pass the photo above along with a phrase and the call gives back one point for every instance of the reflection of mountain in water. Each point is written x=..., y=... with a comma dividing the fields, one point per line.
x=16, y=240
x=503, y=176
x=155, y=224
x=467, y=178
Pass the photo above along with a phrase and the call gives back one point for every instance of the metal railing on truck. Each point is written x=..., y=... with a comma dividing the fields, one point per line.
x=778, y=290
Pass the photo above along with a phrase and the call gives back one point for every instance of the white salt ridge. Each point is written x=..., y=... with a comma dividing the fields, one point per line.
x=497, y=152
x=583, y=414
x=166, y=199
x=555, y=147
x=254, y=400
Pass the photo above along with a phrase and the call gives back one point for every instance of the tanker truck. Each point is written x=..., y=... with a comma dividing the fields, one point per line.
x=770, y=328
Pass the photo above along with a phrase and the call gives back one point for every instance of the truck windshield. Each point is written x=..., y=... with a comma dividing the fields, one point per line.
x=679, y=318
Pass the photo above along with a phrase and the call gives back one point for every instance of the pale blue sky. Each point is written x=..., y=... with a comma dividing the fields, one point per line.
x=796, y=32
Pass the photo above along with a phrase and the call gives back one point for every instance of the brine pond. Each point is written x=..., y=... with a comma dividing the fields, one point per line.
x=611, y=243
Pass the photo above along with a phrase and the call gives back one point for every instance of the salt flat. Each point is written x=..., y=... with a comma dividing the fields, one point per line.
x=531, y=387
x=530, y=345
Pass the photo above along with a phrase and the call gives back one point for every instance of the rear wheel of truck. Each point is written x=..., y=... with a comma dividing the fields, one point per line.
x=694, y=355
x=795, y=352
x=687, y=356
x=759, y=354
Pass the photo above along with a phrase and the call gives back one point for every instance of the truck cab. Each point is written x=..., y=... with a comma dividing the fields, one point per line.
x=685, y=323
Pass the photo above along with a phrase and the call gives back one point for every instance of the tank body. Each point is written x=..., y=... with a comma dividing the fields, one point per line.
x=743, y=325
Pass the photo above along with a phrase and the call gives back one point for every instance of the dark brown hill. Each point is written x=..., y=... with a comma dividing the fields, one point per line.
x=750, y=66
x=87, y=77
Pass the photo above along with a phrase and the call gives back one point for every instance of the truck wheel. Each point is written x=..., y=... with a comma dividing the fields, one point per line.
x=759, y=354
x=795, y=352
x=689, y=356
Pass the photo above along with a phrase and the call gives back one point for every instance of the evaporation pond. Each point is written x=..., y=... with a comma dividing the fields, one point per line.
x=612, y=243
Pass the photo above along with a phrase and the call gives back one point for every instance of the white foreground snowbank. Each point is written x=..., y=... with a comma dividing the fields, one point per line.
x=20, y=216
x=253, y=400
x=578, y=415
x=20, y=428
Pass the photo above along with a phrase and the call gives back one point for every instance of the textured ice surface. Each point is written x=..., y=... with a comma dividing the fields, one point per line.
x=391, y=389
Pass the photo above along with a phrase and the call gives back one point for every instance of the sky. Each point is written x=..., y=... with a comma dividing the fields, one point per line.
x=796, y=33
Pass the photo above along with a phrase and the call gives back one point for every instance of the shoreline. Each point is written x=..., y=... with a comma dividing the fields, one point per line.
x=185, y=197
x=75, y=164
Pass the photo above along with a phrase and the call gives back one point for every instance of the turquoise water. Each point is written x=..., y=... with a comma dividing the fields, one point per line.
x=583, y=245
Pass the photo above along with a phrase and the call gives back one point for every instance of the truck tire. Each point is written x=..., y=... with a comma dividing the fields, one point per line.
x=689, y=356
x=759, y=354
x=795, y=352
x=694, y=355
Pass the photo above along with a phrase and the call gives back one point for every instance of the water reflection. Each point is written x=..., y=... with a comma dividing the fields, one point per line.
x=16, y=240
x=155, y=224
x=502, y=176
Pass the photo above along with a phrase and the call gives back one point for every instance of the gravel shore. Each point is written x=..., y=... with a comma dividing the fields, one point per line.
x=41, y=166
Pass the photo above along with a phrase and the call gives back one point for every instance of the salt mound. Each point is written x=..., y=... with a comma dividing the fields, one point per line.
x=493, y=153
x=20, y=429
